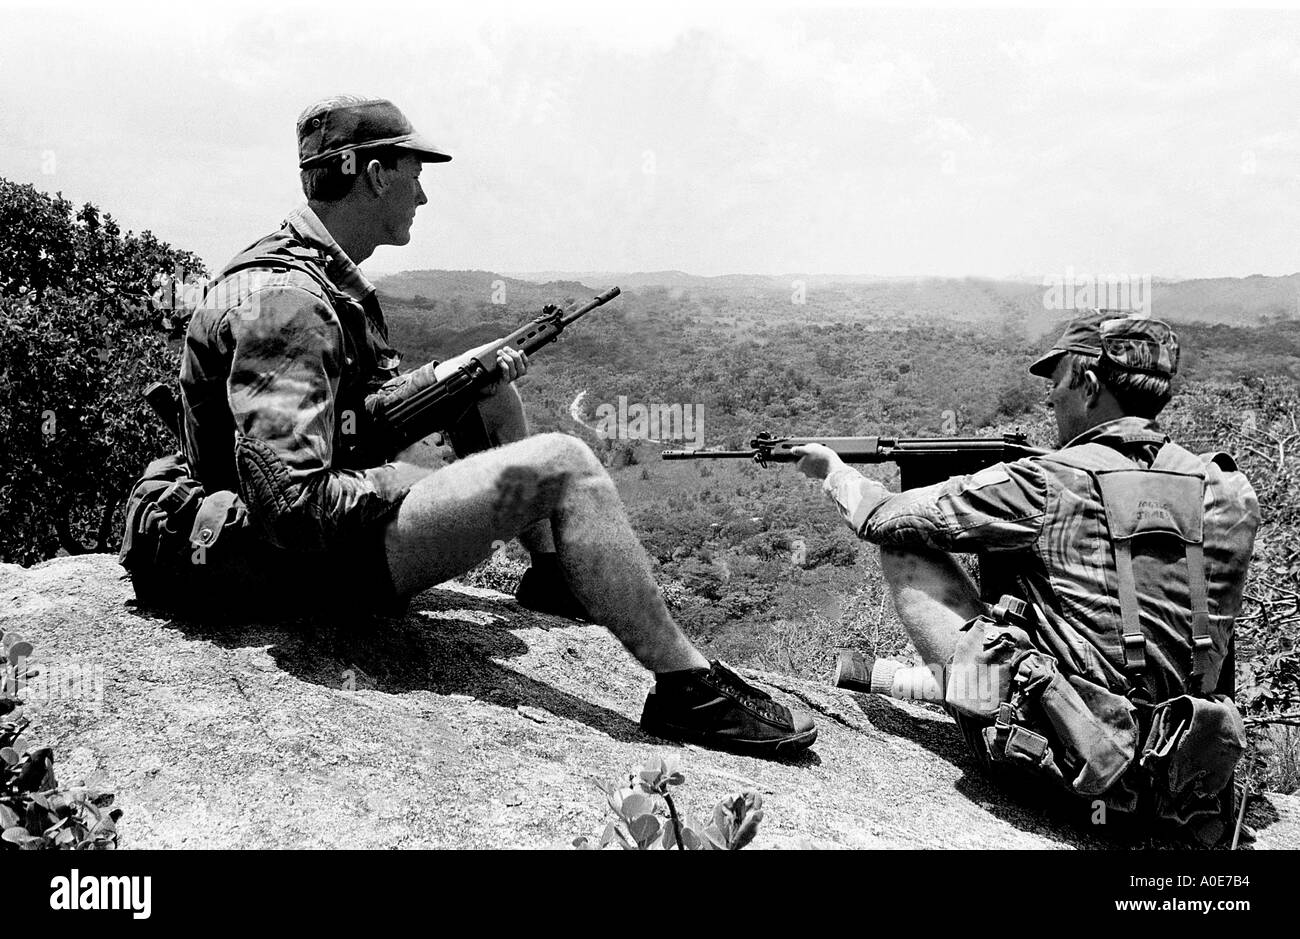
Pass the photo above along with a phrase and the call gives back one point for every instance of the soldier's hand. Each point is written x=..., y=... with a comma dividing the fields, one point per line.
x=816, y=461
x=512, y=363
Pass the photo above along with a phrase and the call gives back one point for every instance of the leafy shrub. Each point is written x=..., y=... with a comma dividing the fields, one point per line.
x=646, y=815
x=35, y=813
x=81, y=334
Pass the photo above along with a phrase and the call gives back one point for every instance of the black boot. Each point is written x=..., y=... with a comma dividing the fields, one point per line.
x=544, y=589
x=716, y=708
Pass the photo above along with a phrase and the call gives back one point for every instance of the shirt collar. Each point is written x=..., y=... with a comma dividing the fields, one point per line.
x=1122, y=432
x=340, y=268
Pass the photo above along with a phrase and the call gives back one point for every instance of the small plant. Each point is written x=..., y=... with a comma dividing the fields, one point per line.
x=35, y=813
x=646, y=816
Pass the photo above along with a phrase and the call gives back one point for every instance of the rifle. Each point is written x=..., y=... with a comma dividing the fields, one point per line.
x=922, y=461
x=162, y=399
x=443, y=403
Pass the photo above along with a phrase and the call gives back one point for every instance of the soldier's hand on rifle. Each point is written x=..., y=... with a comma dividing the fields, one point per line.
x=816, y=461
x=511, y=364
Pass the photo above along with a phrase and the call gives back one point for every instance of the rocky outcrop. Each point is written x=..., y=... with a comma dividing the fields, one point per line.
x=466, y=723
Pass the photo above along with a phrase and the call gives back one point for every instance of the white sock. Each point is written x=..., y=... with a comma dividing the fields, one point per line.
x=915, y=683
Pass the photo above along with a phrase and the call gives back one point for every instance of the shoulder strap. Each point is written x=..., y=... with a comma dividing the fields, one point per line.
x=292, y=262
x=1223, y=461
x=281, y=251
x=1173, y=458
x=1089, y=457
x=1167, y=499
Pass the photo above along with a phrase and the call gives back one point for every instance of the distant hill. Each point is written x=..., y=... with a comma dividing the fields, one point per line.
x=1236, y=300
x=1248, y=301
x=636, y=279
x=485, y=286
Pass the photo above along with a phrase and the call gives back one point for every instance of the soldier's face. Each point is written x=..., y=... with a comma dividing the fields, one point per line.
x=1069, y=405
x=401, y=198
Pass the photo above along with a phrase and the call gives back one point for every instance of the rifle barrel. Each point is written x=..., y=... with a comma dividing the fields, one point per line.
x=590, y=305
x=707, y=454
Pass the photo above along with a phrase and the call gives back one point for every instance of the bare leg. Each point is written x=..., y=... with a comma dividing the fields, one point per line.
x=450, y=519
x=503, y=417
x=934, y=597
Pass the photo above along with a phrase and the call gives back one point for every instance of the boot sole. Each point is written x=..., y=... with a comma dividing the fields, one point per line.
x=765, y=747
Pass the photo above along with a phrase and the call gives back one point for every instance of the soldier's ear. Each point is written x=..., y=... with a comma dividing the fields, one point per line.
x=376, y=177
x=1092, y=386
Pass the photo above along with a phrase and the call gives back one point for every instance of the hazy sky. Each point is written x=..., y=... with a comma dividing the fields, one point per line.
x=708, y=139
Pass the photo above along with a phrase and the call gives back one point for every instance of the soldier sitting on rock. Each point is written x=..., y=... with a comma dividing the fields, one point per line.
x=286, y=376
x=1097, y=652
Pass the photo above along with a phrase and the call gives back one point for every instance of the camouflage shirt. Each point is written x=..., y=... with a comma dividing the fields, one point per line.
x=1040, y=529
x=285, y=377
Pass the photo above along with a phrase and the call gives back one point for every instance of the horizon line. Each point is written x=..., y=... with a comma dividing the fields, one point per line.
x=578, y=274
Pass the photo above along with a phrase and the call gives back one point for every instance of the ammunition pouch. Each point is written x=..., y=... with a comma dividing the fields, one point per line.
x=1191, y=754
x=172, y=524
x=1066, y=729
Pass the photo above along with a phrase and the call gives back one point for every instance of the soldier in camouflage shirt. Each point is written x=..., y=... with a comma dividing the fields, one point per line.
x=286, y=378
x=1041, y=531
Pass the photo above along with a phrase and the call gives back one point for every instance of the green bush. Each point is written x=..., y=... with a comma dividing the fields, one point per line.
x=84, y=326
x=35, y=813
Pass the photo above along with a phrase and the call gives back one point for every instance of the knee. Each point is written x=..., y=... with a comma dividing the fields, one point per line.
x=574, y=456
x=546, y=468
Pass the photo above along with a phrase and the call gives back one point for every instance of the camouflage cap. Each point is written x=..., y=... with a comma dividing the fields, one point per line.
x=1131, y=343
x=346, y=122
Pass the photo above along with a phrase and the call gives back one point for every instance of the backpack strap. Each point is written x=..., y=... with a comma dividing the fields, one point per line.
x=1099, y=461
x=1089, y=457
x=1135, y=641
x=1172, y=456
x=303, y=260
x=1202, y=641
x=1167, y=499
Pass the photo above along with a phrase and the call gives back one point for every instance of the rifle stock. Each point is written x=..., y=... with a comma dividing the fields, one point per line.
x=162, y=399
